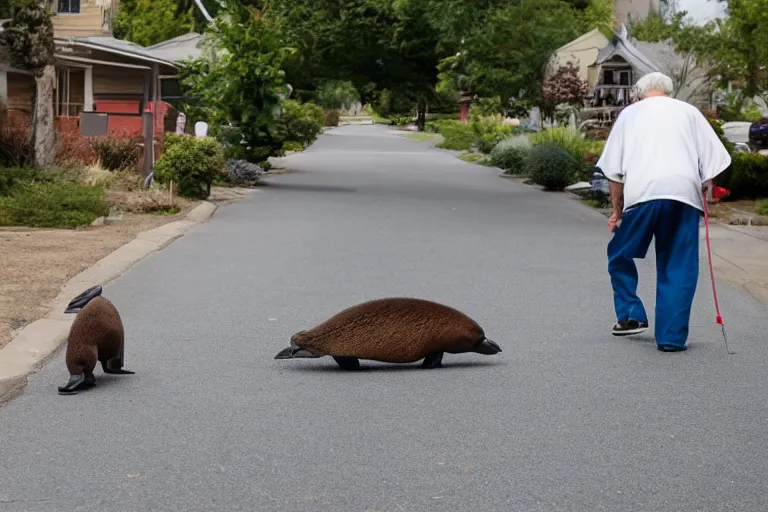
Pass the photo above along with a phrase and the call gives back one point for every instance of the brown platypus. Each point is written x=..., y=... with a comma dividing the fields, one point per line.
x=392, y=330
x=96, y=335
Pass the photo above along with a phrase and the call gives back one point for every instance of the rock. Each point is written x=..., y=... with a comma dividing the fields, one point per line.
x=581, y=186
x=242, y=172
x=98, y=221
x=115, y=215
x=18, y=323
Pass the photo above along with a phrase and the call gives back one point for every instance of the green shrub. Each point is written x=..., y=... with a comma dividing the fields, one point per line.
x=568, y=138
x=52, y=204
x=510, y=154
x=10, y=177
x=15, y=147
x=456, y=136
x=489, y=131
x=747, y=176
x=762, y=207
x=332, y=117
x=193, y=163
x=291, y=145
x=402, y=121
x=117, y=153
x=336, y=94
x=487, y=106
x=302, y=122
x=551, y=166
x=716, y=125
x=751, y=114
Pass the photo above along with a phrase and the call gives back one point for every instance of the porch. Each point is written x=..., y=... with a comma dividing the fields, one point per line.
x=102, y=83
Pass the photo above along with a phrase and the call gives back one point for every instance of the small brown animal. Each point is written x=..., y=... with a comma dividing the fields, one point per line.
x=393, y=330
x=96, y=335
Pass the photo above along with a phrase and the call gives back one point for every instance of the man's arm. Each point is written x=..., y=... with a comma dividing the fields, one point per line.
x=713, y=156
x=617, y=197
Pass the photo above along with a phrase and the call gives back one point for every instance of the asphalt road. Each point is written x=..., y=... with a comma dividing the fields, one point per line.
x=567, y=418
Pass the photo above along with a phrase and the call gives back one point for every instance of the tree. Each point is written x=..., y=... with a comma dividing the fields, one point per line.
x=146, y=22
x=501, y=49
x=743, y=44
x=563, y=87
x=28, y=36
x=598, y=14
x=242, y=91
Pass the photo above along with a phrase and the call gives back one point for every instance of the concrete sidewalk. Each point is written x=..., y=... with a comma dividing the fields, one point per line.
x=740, y=255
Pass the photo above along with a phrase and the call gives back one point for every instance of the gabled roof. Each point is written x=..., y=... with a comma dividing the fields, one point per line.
x=581, y=38
x=116, y=46
x=187, y=46
x=621, y=46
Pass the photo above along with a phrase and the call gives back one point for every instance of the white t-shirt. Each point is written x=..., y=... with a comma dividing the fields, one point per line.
x=662, y=148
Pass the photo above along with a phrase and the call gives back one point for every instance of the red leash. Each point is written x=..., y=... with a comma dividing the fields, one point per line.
x=718, y=318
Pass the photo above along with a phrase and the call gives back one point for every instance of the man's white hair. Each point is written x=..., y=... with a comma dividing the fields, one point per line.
x=654, y=82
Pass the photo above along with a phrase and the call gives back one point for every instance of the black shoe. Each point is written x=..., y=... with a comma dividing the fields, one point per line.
x=670, y=348
x=629, y=327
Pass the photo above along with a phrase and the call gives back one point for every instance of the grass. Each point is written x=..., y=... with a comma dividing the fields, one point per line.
x=421, y=136
x=456, y=136
x=761, y=207
x=52, y=204
x=475, y=158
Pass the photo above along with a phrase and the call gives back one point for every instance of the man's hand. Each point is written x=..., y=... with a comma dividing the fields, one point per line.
x=614, y=221
x=706, y=187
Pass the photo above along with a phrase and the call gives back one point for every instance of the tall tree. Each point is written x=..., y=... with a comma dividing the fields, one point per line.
x=29, y=38
x=743, y=46
x=243, y=89
x=148, y=22
x=501, y=48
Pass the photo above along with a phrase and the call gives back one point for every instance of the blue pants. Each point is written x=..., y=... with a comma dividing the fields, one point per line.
x=675, y=226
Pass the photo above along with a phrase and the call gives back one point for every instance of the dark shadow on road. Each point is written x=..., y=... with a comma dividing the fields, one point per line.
x=365, y=367
x=307, y=188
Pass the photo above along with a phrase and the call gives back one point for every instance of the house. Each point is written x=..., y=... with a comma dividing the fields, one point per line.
x=582, y=52
x=618, y=67
x=95, y=73
x=612, y=69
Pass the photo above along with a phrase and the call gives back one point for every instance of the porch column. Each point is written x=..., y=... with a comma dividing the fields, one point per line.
x=88, y=93
x=3, y=89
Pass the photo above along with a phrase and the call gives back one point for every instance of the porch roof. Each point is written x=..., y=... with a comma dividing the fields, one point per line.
x=115, y=47
x=621, y=46
x=179, y=48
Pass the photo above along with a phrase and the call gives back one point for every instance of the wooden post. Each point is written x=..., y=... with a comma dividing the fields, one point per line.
x=88, y=90
x=3, y=90
x=147, y=129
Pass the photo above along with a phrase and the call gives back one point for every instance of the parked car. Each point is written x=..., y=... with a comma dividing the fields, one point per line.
x=758, y=134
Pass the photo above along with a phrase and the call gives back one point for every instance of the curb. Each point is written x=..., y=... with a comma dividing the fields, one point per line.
x=39, y=341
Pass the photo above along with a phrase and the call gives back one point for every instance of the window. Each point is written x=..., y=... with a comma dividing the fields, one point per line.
x=69, y=6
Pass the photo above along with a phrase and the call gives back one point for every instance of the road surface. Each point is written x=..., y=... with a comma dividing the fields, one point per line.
x=567, y=418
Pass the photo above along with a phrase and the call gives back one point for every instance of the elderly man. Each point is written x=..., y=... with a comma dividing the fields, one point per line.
x=660, y=158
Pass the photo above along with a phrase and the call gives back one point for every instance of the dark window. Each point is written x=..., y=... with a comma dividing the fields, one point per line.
x=70, y=6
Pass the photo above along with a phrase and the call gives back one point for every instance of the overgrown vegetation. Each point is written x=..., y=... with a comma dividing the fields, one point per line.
x=761, y=207
x=30, y=197
x=551, y=166
x=192, y=163
x=511, y=153
x=117, y=153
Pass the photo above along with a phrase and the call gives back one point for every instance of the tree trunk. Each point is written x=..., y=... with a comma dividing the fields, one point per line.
x=421, y=114
x=43, y=128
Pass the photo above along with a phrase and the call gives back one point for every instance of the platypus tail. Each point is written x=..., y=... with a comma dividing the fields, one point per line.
x=294, y=352
x=487, y=347
x=84, y=298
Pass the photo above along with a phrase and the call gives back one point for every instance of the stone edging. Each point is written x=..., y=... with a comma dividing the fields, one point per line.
x=39, y=341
